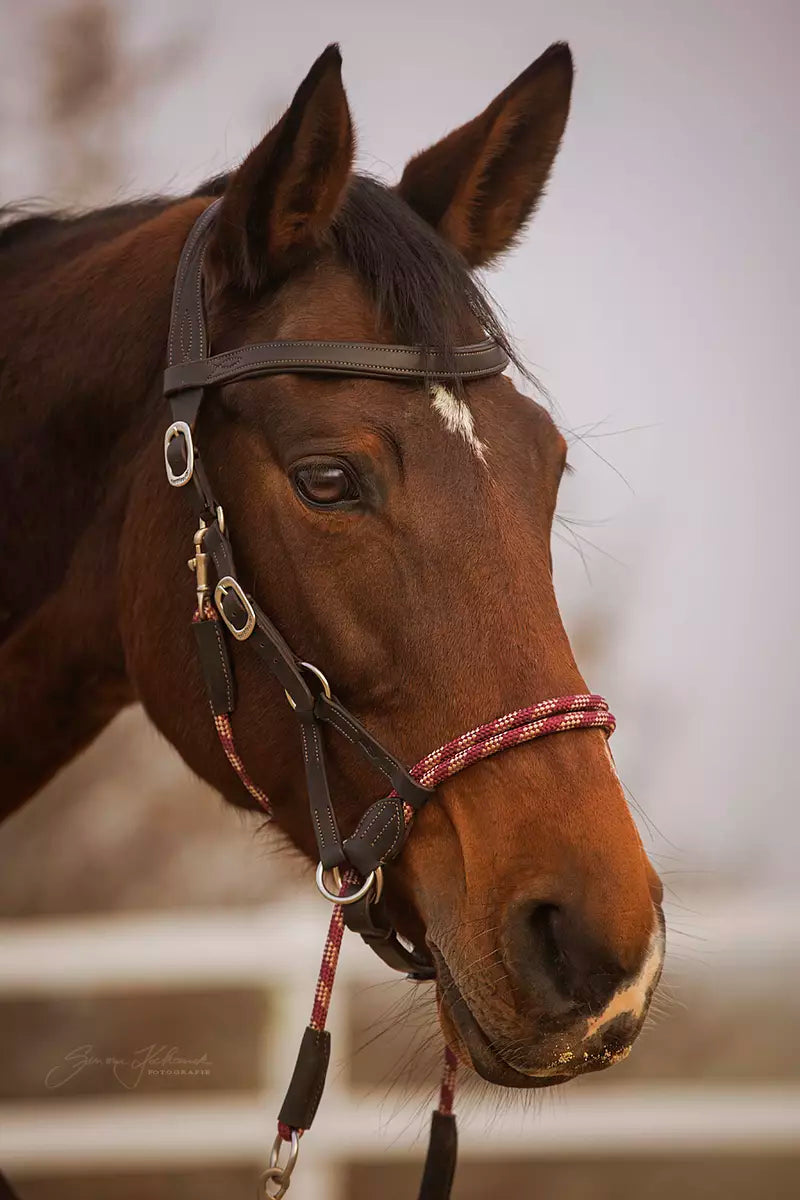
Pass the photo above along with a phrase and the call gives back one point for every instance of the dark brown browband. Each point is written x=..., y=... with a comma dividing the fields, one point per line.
x=371, y=359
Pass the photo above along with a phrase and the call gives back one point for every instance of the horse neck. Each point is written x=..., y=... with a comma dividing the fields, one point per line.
x=82, y=346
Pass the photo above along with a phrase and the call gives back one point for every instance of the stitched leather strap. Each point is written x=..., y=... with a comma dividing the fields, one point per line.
x=187, y=328
x=379, y=836
x=216, y=666
x=305, y=1090
x=372, y=922
x=331, y=710
x=371, y=359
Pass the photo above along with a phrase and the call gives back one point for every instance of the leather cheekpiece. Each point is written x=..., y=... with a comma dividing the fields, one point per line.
x=378, y=837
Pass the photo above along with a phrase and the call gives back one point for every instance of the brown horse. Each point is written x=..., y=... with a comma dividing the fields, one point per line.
x=397, y=535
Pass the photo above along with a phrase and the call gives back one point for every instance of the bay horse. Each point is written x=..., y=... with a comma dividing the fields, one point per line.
x=396, y=529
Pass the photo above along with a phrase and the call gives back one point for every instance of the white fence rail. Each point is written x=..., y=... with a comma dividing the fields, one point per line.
x=278, y=949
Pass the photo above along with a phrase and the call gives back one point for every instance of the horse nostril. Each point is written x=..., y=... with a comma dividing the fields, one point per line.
x=619, y=1033
x=543, y=924
x=558, y=961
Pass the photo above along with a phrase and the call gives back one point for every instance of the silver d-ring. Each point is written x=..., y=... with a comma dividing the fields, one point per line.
x=326, y=687
x=374, y=879
x=229, y=584
x=179, y=429
x=281, y=1176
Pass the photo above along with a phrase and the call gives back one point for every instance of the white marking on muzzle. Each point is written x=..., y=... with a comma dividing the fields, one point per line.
x=633, y=998
x=457, y=418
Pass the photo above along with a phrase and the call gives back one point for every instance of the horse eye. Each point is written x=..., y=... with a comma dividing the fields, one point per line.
x=324, y=484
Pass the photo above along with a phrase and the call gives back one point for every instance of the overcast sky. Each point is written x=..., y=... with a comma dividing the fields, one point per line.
x=655, y=294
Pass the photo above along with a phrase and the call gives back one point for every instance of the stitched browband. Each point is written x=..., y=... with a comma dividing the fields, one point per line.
x=373, y=359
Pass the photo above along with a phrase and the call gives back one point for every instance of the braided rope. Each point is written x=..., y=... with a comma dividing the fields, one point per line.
x=330, y=957
x=585, y=711
x=447, y=1089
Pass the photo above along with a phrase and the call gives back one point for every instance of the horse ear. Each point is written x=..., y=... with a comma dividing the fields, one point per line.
x=282, y=199
x=481, y=183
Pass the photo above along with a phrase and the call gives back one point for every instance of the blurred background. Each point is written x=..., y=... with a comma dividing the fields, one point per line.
x=656, y=298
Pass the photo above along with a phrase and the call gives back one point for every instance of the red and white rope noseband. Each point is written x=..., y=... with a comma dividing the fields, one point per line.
x=523, y=725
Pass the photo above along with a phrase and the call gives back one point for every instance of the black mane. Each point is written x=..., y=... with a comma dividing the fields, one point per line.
x=420, y=285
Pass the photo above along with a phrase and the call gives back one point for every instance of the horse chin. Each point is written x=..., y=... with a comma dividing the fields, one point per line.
x=474, y=1049
x=471, y=1045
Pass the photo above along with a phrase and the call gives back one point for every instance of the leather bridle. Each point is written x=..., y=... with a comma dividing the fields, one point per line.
x=354, y=863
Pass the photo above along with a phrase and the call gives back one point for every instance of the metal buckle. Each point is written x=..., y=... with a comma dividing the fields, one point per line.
x=229, y=584
x=179, y=429
x=275, y=1174
x=375, y=878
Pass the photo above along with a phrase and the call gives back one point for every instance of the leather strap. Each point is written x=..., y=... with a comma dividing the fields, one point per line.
x=216, y=665
x=371, y=921
x=378, y=837
x=331, y=710
x=187, y=328
x=308, y=1080
x=440, y=1163
x=370, y=359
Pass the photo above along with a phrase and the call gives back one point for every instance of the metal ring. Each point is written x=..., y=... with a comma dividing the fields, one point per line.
x=326, y=687
x=374, y=878
x=272, y=1175
x=277, y=1174
x=229, y=584
x=179, y=429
